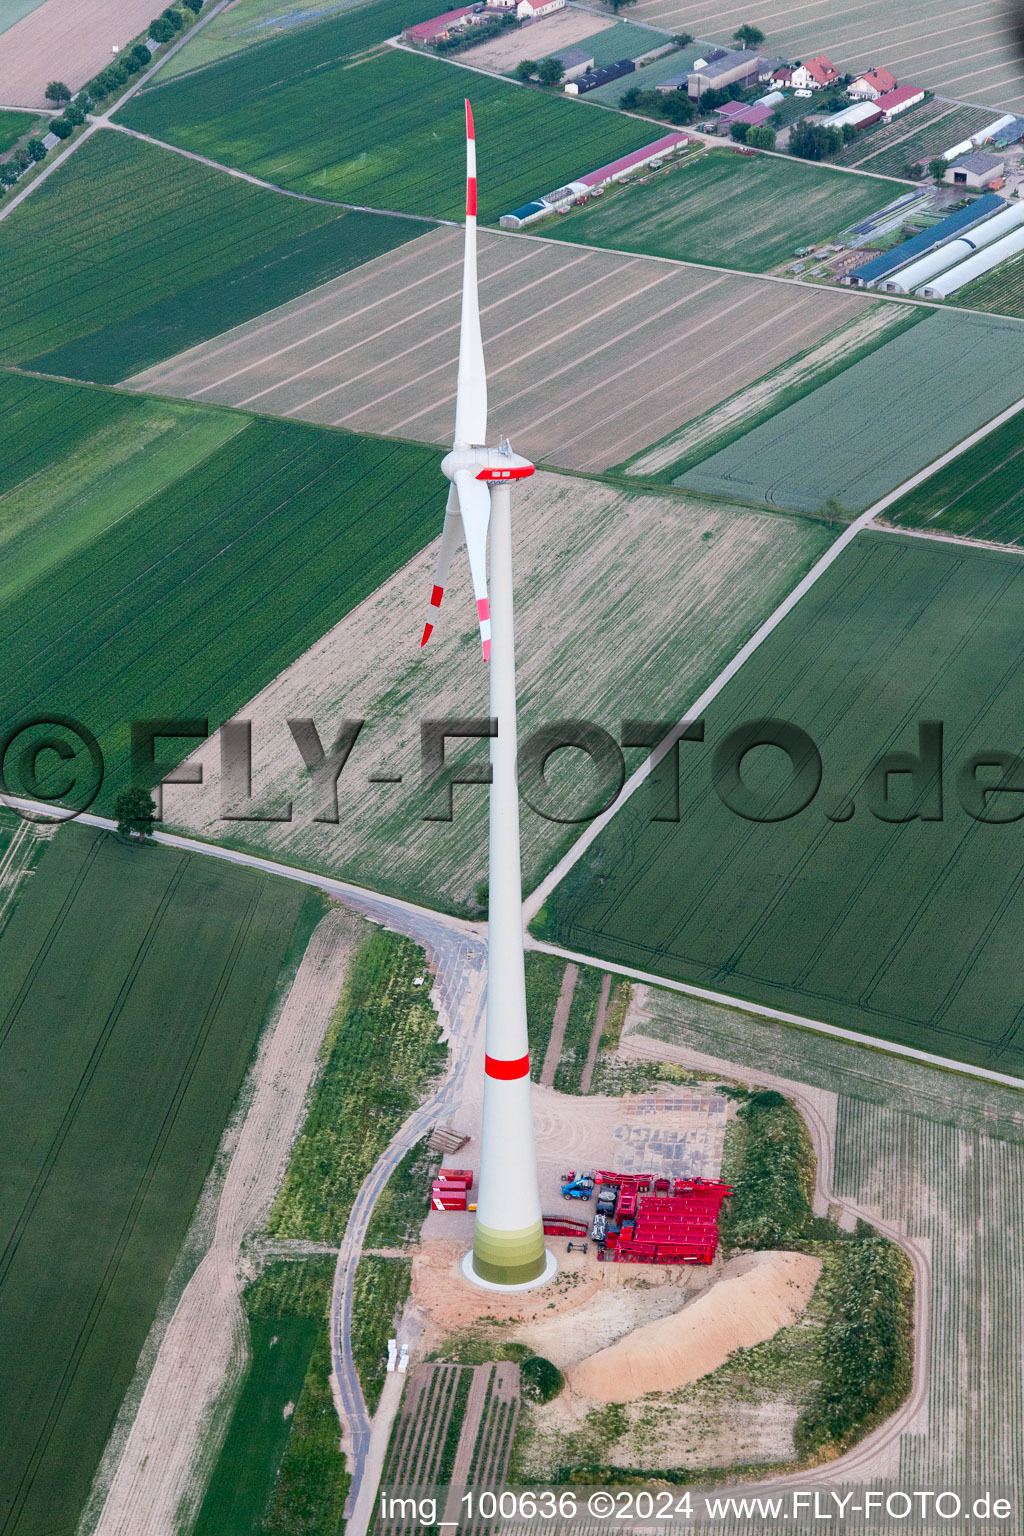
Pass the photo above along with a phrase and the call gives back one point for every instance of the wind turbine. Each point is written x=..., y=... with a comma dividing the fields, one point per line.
x=508, y=1239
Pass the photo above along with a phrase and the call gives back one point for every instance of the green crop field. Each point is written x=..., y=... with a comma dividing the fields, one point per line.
x=158, y=252
x=13, y=125
x=979, y=495
x=388, y=133
x=728, y=209
x=625, y=41
x=78, y=460
x=216, y=581
x=863, y=433
x=1000, y=291
x=135, y=985
x=902, y=929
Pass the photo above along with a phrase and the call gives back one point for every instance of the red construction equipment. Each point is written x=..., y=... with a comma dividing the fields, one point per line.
x=448, y=1197
x=564, y=1226
x=461, y=1176
x=659, y=1228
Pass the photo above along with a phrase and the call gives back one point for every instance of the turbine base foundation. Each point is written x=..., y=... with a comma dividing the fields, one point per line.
x=549, y=1272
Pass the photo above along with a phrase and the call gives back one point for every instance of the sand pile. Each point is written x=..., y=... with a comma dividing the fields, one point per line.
x=758, y=1294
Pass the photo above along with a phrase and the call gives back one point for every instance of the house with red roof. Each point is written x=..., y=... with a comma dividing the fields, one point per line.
x=814, y=74
x=875, y=82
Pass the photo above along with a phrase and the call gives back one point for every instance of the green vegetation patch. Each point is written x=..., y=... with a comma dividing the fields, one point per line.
x=579, y=1027
x=624, y=41
x=1000, y=291
x=405, y=1199
x=388, y=133
x=728, y=209
x=136, y=981
x=147, y=237
x=79, y=460
x=280, y=24
x=903, y=929
x=543, y=983
x=381, y=1052
x=643, y=78
x=213, y=584
x=980, y=495
x=13, y=125
x=378, y=1296
x=313, y=1481
x=261, y=281
x=939, y=381
x=770, y=1162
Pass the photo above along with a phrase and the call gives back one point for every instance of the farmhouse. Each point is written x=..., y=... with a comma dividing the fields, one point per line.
x=814, y=75
x=530, y=10
x=901, y=100
x=977, y=170
x=428, y=32
x=737, y=68
x=574, y=62
x=876, y=82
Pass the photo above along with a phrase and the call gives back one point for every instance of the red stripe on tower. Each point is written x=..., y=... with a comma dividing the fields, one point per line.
x=507, y=1070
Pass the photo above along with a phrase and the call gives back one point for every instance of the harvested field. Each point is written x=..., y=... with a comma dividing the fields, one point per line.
x=159, y=252
x=136, y=983
x=979, y=496
x=13, y=10
x=66, y=40
x=965, y=52
x=559, y=30
x=915, y=138
x=356, y=131
x=861, y=434
x=723, y=208
x=589, y=355
x=893, y=927
x=708, y=578
x=755, y=1295
x=715, y=428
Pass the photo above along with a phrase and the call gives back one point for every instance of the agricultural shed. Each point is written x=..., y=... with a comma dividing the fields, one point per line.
x=956, y=250
x=50, y=141
x=562, y=197
x=595, y=77
x=574, y=61
x=524, y=215
x=975, y=266
x=901, y=100
x=767, y=69
x=437, y=26
x=861, y=115
x=739, y=112
x=673, y=83
x=874, y=82
x=977, y=170
x=740, y=65
x=954, y=224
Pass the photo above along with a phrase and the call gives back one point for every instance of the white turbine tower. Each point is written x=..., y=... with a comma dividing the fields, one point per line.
x=508, y=1240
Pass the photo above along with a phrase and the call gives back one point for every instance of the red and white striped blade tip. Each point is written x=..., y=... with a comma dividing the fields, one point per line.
x=435, y=602
x=469, y=120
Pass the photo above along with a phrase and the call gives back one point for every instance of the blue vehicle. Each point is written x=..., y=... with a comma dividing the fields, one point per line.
x=577, y=1186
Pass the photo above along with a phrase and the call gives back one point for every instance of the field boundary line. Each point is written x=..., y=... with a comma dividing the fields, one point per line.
x=268, y=186
x=938, y=537
x=533, y=903
x=779, y=1015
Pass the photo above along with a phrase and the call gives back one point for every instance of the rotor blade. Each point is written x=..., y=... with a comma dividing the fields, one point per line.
x=475, y=503
x=449, y=540
x=471, y=396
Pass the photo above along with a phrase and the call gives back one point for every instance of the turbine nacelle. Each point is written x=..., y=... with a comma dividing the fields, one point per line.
x=486, y=463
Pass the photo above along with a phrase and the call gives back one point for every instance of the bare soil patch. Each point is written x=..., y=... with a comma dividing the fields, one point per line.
x=538, y=39
x=755, y=1295
x=69, y=40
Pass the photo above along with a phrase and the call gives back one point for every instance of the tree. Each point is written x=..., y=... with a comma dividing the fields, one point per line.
x=937, y=168
x=678, y=107
x=36, y=149
x=618, y=5
x=683, y=39
x=175, y=18
x=748, y=36
x=74, y=114
x=738, y=131
x=135, y=811
x=832, y=510
x=57, y=92
x=195, y=6
x=541, y=1379
x=629, y=99
x=761, y=137
x=161, y=30
x=812, y=141
x=550, y=70
x=526, y=69
x=61, y=127
x=9, y=173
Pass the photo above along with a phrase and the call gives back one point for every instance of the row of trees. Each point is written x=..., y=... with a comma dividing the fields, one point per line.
x=813, y=141
x=468, y=37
